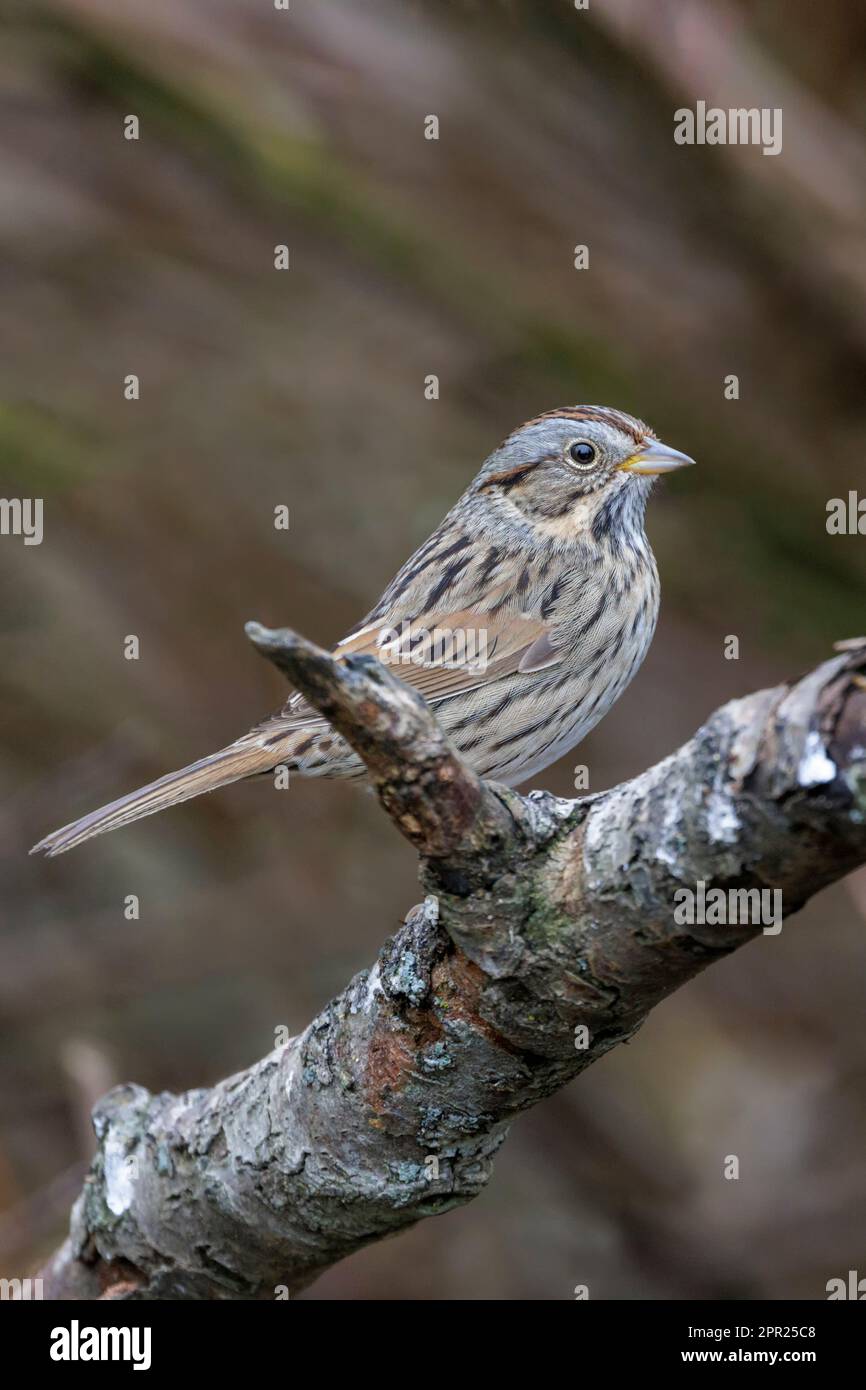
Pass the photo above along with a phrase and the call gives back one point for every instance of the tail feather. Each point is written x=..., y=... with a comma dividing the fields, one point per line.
x=229, y=764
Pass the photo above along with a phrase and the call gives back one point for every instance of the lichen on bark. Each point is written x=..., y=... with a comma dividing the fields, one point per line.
x=545, y=937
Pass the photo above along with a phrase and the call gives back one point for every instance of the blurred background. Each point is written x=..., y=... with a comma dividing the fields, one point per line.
x=412, y=257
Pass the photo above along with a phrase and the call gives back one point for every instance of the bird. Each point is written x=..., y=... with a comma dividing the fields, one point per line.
x=520, y=620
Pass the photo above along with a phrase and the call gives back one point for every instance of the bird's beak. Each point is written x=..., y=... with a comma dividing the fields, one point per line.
x=656, y=458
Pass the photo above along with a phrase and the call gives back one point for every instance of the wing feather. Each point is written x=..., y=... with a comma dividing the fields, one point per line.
x=455, y=654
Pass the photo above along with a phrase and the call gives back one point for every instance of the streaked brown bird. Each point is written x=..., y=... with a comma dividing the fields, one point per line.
x=521, y=620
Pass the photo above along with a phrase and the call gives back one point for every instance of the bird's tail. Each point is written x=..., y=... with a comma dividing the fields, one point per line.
x=231, y=764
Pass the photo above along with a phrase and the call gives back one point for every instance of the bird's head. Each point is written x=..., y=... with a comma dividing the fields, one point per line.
x=578, y=469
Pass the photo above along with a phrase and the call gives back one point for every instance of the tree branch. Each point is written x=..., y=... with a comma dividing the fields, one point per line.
x=548, y=933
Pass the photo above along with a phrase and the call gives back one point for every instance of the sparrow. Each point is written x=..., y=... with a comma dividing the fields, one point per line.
x=520, y=620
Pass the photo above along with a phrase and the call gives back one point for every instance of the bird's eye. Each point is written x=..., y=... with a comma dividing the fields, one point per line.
x=582, y=453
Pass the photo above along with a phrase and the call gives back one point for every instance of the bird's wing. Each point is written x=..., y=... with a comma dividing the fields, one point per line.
x=455, y=653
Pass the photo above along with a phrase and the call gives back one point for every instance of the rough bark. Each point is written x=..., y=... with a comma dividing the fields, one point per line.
x=543, y=918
